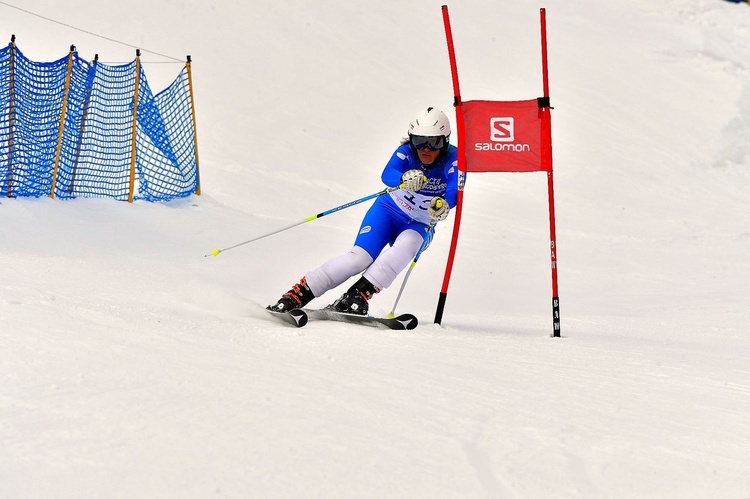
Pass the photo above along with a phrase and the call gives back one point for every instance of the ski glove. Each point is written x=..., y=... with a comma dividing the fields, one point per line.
x=438, y=209
x=413, y=180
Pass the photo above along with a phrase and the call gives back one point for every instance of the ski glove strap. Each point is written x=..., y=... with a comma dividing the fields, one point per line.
x=438, y=209
x=413, y=180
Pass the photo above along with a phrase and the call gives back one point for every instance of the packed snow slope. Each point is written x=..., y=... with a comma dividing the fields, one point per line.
x=133, y=366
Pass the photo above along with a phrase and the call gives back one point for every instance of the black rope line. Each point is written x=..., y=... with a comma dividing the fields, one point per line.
x=89, y=32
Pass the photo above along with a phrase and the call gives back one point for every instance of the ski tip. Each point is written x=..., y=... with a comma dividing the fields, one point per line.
x=296, y=317
x=299, y=316
x=408, y=321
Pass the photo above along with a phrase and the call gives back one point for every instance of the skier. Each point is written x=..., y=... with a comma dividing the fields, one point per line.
x=425, y=167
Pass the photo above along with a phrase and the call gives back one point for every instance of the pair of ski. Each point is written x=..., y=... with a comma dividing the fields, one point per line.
x=298, y=317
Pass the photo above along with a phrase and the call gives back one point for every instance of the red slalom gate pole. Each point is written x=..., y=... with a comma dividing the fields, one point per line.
x=461, y=167
x=550, y=190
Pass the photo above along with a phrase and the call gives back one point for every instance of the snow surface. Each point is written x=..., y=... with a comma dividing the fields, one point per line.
x=133, y=366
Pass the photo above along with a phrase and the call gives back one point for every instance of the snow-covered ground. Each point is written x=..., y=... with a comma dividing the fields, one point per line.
x=133, y=366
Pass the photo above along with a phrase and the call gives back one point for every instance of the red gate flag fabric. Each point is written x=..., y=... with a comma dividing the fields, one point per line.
x=512, y=136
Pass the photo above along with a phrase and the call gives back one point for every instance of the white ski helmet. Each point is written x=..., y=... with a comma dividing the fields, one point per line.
x=430, y=122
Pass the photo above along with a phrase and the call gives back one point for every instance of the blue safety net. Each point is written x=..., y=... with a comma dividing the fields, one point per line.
x=68, y=126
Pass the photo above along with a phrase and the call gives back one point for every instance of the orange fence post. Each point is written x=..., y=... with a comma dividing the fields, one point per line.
x=12, y=112
x=195, y=128
x=131, y=190
x=63, y=115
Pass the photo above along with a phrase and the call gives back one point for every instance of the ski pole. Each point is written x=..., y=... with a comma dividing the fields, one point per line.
x=216, y=252
x=392, y=313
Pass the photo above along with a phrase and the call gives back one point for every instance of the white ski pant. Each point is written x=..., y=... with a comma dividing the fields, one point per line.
x=381, y=272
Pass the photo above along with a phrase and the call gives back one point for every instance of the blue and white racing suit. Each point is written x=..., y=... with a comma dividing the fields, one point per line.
x=402, y=210
x=399, y=219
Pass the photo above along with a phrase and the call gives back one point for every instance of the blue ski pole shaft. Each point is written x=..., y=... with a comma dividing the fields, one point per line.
x=217, y=251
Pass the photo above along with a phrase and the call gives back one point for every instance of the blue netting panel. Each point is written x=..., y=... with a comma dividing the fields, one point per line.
x=165, y=151
x=35, y=113
x=100, y=162
x=5, y=119
x=71, y=147
x=96, y=145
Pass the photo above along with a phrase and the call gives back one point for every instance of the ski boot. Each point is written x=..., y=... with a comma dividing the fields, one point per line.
x=354, y=301
x=297, y=297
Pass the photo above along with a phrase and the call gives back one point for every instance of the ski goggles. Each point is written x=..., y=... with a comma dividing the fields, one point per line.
x=433, y=143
